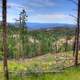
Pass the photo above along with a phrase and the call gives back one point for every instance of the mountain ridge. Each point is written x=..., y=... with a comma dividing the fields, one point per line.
x=40, y=26
x=35, y=26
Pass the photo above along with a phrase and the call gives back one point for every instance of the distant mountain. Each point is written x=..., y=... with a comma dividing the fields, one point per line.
x=38, y=26
x=35, y=26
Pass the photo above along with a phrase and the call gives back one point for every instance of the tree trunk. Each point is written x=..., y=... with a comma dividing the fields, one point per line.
x=74, y=43
x=77, y=35
x=66, y=44
x=5, y=46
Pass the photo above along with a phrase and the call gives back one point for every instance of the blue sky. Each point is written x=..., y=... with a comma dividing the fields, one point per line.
x=43, y=11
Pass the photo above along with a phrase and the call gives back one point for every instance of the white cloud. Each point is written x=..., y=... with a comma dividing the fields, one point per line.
x=40, y=3
x=50, y=18
x=18, y=7
x=29, y=4
x=15, y=6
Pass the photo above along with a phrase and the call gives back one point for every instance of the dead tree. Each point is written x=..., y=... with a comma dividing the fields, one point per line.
x=5, y=46
x=77, y=35
x=76, y=43
x=22, y=29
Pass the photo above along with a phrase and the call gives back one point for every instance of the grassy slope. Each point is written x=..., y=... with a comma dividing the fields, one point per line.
x=44, y=61
x=68, y=74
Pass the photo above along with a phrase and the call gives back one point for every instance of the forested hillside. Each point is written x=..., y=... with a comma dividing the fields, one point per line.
x=23, y=43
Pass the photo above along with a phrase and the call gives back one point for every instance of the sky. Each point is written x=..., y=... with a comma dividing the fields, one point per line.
x=42, y=11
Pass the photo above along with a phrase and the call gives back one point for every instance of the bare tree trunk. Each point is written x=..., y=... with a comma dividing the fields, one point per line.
x=56, y=48
x=77, y=35
x=5, y=47
x=74, y=43
x=66, y=44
